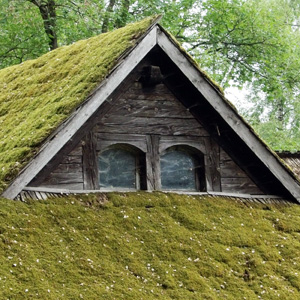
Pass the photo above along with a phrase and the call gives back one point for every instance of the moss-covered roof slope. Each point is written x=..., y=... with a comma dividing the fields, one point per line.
x=37, y=95
x=148, y=246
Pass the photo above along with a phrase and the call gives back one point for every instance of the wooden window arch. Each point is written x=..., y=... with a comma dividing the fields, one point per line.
x=182, y=168
x=121, y=166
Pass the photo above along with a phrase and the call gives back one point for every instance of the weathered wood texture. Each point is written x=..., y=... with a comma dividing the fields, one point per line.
x=152, y=119
x=292, y=160
x=152, y=110
x=212, y=166
x=68, y=174
x=90, y=162
x=152, y=163
x=235, y=179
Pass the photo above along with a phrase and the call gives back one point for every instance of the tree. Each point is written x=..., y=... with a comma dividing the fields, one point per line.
x=240, y=43
x=48, y=13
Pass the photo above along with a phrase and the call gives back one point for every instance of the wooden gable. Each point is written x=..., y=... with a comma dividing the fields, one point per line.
x=151, y=118
x=180, y=107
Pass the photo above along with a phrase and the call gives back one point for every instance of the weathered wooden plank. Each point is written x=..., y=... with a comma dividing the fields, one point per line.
x=125, y=120
x=90, y=162
x=105, y=140
x=151, y=125
x=224, y=156
x=134, y=97
x=192, y=141
x=212, y=166
x=61, y=178
x=239, y=185
x=150, y=109
x=153, y=163
x=230, y=169
x=71, y=186
x=72, y=159
x=76, y=151
x=157, y=89
x=68, y=168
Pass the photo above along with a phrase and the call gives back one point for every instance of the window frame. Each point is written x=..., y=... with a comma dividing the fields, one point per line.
x=199, y=172
x=140, y=176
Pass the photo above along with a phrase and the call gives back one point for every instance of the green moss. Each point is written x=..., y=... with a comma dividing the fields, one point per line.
x=150, y=246
x=36, y=96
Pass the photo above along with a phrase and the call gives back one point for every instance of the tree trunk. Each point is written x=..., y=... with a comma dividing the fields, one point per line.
x=109, y=9
x=122, y=19
x=48, y=14
x=280, y=110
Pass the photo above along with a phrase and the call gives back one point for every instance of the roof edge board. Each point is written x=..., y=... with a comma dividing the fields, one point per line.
x=70, y=191
x=69, y=127
x=228, y=114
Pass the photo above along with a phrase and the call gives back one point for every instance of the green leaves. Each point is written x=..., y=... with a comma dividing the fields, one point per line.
x=237, y=42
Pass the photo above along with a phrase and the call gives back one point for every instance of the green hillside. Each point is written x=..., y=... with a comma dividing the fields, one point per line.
x=148, y=246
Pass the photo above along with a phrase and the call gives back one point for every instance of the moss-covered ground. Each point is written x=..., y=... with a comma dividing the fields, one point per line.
x=148, y=246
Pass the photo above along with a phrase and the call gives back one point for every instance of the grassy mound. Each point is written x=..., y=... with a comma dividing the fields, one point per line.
x=148, y=246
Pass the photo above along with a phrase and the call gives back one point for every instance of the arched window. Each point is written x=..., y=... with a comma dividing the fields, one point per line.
x=182, y=168
x=121, y=166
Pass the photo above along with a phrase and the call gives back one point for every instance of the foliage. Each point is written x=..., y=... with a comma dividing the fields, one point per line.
x=238, y=42
x=56, y=83
x=148, y=246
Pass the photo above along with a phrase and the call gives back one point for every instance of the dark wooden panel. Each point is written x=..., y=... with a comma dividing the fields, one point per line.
x=153, y=163
x=63, y=178
x=68, y=168
x=193, y=141
x=134, y=97
x=158, y=89
x=224, y=156
x=90, y=162
x=76, y=151
x=230, y=169
x=72, y=159
x=239, y=185
x=105, y=139
x=151, y=109
x=69, y=186
x=151, y=126
x=212, y=166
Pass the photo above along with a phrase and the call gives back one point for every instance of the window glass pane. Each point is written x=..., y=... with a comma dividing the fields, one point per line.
x=117, y=168
x=177, y=171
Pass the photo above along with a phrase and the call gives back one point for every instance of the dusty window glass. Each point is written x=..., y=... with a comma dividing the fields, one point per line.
x=177, y=171
x=117, y=169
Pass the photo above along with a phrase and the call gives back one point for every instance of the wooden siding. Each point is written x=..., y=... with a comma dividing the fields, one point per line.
x=149, y=111
x=68, y=174
x=151, y=119
x=292, y=160
x=233, y=178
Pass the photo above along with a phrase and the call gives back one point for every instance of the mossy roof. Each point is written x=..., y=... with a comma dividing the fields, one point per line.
x=38, y=95
x=148, y=246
